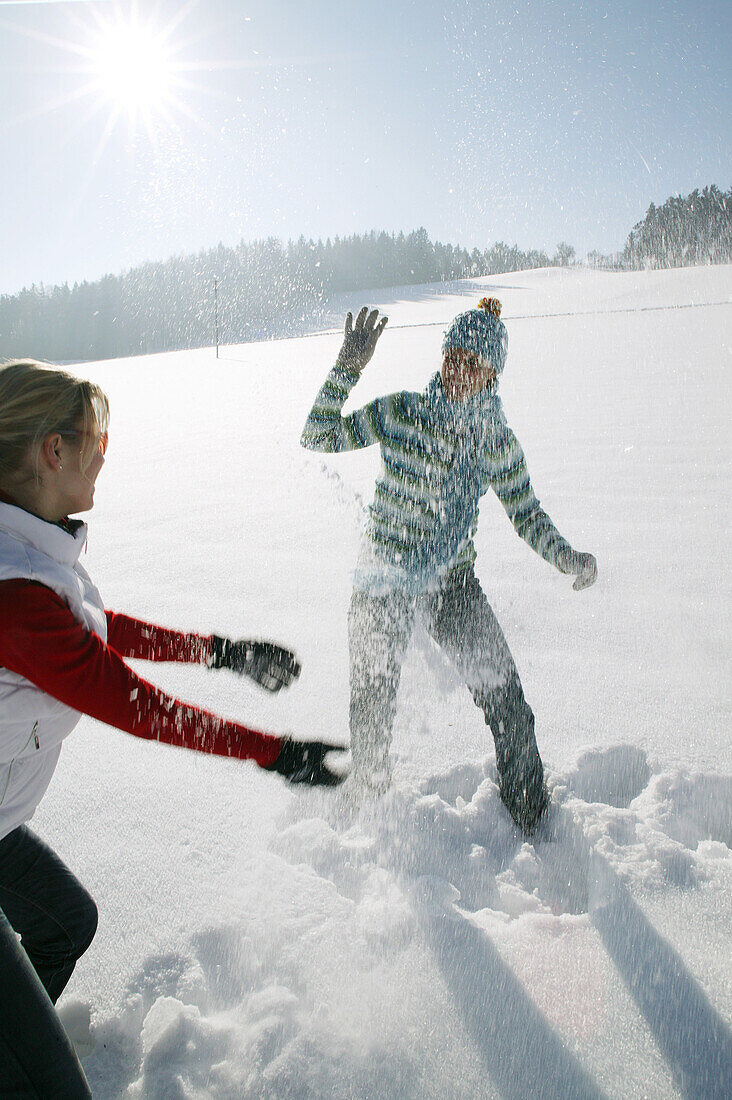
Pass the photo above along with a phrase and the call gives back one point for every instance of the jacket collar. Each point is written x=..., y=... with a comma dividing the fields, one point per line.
x=64, y=545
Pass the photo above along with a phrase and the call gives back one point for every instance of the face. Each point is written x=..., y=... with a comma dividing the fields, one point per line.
x=464, y=374
x=76, y=474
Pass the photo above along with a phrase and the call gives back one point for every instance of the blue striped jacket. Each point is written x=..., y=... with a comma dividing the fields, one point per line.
x=438, y=458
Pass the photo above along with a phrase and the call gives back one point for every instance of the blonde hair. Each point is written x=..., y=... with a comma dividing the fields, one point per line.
x=37, y=399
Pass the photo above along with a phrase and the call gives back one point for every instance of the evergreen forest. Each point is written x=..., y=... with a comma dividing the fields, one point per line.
x=263, y=289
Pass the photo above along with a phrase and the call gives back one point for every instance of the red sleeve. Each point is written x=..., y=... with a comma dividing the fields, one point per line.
x=134, y=638
x=41, y=640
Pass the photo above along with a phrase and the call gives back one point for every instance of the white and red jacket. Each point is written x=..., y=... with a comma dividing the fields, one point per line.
x=61, y=654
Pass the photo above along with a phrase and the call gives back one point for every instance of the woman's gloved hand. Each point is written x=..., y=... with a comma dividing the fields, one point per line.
x=304, y=762
x=269, y=665
x=359, y=341
x=583, y=566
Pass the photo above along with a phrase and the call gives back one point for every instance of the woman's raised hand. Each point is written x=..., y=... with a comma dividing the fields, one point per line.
x=359, y=340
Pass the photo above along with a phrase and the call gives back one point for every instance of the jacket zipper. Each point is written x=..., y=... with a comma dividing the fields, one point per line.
x=34, y=734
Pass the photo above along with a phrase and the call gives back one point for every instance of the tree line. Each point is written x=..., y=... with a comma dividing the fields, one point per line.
x=263, y=289
x=255, y=290
x=685, y=231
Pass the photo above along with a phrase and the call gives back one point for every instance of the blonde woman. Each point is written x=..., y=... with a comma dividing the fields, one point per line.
x=62, y=653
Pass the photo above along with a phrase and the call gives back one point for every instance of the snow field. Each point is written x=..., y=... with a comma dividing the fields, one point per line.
x=256, y=942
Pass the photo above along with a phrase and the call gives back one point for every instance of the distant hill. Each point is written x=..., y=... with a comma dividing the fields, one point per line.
x=261, y=289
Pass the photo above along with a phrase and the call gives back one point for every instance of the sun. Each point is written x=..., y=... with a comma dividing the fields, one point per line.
x=135, y=70
x=131, y=68
x=131, y=65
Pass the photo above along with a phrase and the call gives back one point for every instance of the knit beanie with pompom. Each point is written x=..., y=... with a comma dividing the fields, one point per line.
x=480, y=331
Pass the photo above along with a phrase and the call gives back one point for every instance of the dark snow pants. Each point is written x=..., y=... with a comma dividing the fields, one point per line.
x=50, y=910
x=462, y=622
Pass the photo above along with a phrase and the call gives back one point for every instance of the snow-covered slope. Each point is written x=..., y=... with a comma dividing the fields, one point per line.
x=259, y=943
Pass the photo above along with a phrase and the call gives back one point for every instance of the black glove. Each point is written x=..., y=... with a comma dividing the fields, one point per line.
x=269, y=665
x=304, y=762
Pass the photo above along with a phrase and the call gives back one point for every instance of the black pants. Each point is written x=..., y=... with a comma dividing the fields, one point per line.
x=462, y=622
x=56, y=919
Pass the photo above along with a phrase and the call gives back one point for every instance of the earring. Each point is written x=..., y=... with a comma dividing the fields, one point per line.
x=60, y=467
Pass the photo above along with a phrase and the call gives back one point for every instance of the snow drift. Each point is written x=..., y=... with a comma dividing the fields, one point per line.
x=256, y=942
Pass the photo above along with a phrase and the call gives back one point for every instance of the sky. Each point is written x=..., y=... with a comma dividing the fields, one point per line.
x=132, y=133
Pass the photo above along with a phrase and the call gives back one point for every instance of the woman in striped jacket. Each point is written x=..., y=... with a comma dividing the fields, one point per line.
x=441, y=450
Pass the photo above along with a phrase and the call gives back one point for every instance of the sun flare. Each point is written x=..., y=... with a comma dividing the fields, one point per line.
x=132, y=67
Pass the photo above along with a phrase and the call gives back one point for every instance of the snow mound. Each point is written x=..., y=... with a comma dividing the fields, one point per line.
x=366, y=956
